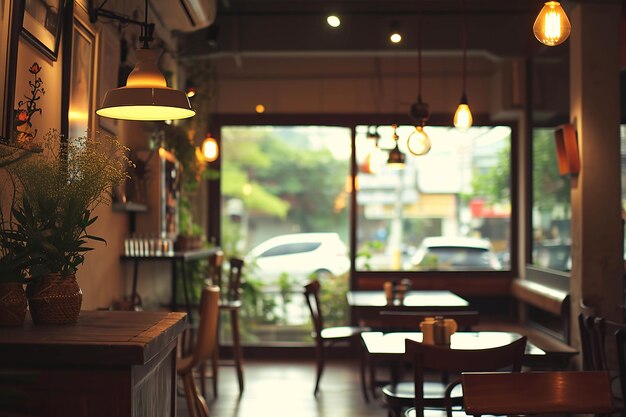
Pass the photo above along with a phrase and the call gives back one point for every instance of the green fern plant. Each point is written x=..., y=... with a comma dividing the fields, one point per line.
x=57, y=193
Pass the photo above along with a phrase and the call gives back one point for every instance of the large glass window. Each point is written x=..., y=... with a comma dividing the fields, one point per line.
x=285, y=210
x=551, y=208
x=449, y=210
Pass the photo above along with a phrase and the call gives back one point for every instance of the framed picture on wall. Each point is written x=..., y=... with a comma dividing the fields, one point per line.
x=80, y=111
x=42, y=25
x=11, y=12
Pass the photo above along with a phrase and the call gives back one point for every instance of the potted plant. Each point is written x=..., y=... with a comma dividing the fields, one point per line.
x=14, y=259
x=57, y=192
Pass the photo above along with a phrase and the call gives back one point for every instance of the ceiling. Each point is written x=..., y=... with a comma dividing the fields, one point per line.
x=495, y=28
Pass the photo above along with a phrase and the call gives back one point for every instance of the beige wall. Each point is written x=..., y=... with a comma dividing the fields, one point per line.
x=102, y=277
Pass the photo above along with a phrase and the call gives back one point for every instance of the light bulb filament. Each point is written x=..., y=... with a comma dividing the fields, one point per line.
x=552, y=26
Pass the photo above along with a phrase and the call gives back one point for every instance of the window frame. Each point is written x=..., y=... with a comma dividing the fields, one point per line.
x=351, y=121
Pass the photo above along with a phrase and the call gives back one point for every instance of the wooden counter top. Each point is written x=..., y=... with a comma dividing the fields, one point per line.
x=100, y=338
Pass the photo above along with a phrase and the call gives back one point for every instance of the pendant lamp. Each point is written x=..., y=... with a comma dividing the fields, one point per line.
x=396, y=157
x=552, y=27
x=463, y=116
x=146, y=95
x=210, y=148
x=418, y=142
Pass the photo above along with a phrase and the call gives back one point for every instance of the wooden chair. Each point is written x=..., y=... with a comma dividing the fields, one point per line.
x=231, y=303
x=585, y=327
x=214, y=272
x=453, y=361
x=326, y=337
x=536, y=393
x=205, y=346
x=409, y=320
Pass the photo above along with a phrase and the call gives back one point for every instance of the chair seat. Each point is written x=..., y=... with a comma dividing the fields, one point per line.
x=410, y=412
x=229, y=305
x=403, y=393
x=184, y=364
x=342, y=332
x=431, y=390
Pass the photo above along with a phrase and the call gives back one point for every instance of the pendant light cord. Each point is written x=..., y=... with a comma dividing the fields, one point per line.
x=419, y=58
x=464, y=40
x=145, y=29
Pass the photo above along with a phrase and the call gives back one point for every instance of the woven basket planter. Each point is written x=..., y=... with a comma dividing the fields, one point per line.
x=54, y=299
x=12, y=304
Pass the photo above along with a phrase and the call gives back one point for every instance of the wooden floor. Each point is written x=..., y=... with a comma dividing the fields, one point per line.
x=285, y=389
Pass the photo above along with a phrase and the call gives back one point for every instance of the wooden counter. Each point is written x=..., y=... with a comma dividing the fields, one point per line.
x=111, y=363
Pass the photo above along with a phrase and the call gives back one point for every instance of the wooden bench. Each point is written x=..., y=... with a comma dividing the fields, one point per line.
x=556, y=302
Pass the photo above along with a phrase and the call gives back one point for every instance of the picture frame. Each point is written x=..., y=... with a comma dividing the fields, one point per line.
x=42, y=25
x=11, y=12
x=81, y=80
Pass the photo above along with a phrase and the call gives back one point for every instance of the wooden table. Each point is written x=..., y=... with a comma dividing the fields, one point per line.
x=549, y=392
x=366, y=305
x=177, y=258
x=111, y=363
x=389, y=348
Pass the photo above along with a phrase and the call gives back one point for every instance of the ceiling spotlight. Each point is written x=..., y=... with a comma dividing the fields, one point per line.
x=333, y=21
x=395, y=37
x=259, y=108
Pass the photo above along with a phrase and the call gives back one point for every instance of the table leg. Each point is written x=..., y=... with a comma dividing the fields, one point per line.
x=237, y=352
x=133, y=295
x=364, y=363
x=186, y=290
x=174, y=281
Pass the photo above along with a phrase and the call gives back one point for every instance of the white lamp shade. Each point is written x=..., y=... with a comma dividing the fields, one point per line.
x=146, y=95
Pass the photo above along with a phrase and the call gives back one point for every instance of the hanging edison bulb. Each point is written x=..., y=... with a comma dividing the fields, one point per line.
x=210, y=148
x=396, y=158
x=552, y=27
x=463, y=116
x=418, y=142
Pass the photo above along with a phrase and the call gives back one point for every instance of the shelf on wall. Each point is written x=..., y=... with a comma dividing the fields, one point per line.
x=130, y=207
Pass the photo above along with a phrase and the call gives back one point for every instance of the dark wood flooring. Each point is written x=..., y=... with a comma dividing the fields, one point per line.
x=284, y=388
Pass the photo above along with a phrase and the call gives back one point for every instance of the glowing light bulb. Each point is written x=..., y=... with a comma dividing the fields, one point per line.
x=395, y=37
x=418, y=142
x=552, y=27
x=463, y=117
x=210, y=149
x=259, y=108
x=333, y=21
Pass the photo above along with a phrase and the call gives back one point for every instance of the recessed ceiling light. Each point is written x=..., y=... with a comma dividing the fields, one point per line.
x=259, y=108
x=395, y=37
x=333, y=21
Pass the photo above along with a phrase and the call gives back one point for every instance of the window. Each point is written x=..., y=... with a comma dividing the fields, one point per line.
x=551, y=209
x=285, y=210
x=447, y=210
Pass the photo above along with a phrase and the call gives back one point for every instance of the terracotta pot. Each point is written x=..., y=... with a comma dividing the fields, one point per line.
x=12, y=304
x=54, y=299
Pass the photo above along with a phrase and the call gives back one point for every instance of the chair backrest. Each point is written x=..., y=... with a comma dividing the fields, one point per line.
x=409, y=320
x=233, y=288
x=311, y=294
x=444, y=359
x=214, y=274
x=502, y=393
x=604, y=331
x=206, y=339
x=620, y=341
x=585, y=327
